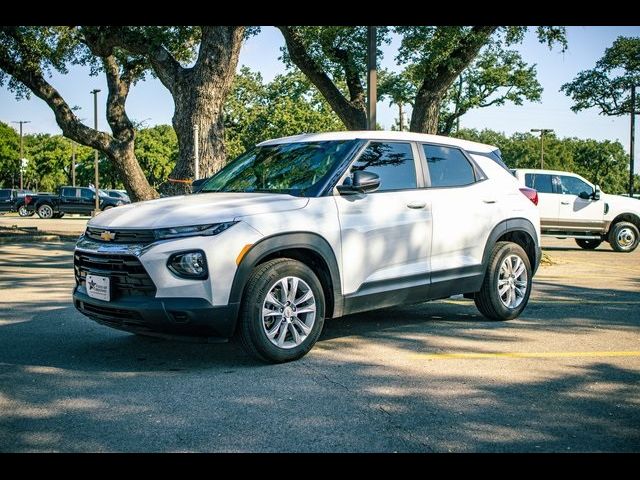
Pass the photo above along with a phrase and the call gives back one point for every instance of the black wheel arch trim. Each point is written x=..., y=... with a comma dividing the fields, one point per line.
x=512, y=225
x=286, y=241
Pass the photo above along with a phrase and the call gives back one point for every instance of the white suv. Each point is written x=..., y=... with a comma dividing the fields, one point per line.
x=571, y=206
x=309, y=227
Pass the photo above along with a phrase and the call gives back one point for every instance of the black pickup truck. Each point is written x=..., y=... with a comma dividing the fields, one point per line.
x=12, y=200
x=80, y=200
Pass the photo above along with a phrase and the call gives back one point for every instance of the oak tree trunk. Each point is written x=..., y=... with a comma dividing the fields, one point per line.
x=426, y=112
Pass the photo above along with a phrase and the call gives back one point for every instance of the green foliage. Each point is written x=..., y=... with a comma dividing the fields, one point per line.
x=602, y=162
x=9, y=156
x=607, y=86
x=256, y=111
x=156, y=149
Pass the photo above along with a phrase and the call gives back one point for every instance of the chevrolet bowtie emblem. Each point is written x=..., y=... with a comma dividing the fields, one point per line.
x=107, y=236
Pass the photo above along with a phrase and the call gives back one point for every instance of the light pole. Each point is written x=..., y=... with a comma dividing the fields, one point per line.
x=371, y=78
x=21, y=122
x=95, y=164
x=542, y=132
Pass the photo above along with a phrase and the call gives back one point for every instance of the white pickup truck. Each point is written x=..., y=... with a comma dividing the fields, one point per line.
x=571, y=206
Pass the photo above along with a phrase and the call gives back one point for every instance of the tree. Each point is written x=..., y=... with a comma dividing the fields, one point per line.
x=333, y=58
x=288, y=105
x=497, y=76
x=9, y=156
x=607, y=86
x=28, y=54
x=198, y=91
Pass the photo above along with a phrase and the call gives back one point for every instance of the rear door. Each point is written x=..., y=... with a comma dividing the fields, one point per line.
x=385, y=234
x=69, y=200
x=548, y=199
x=87, y=201
x=465, y=210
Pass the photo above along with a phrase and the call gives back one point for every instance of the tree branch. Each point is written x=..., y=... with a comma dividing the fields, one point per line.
x=31, y=76
x=118, y=90
x=352, y=116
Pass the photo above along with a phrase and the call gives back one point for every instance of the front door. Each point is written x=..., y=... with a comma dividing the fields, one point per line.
x=579, y=214
x=385, y=234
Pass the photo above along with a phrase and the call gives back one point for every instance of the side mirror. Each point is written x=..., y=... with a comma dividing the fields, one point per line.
x=596, y=193
x=361, y=182
x=585, y=195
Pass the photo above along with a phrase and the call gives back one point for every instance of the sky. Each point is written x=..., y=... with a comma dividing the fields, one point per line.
x=149, y=102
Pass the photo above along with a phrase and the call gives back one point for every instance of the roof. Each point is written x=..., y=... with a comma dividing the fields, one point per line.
x=551, y=172
x=383, y=135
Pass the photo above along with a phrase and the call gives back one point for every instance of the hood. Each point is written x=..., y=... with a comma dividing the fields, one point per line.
x=197, y=209
x=619, y=202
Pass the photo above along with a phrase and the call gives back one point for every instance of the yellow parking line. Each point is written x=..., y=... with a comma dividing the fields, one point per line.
x=475, y=356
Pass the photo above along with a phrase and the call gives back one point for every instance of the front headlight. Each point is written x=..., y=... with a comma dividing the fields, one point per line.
x=193, y=230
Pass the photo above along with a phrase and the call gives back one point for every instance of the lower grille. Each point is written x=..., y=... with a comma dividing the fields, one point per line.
x=127, y=275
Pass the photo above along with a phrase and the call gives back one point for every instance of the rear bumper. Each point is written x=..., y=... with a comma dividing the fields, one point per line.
x=170, y=316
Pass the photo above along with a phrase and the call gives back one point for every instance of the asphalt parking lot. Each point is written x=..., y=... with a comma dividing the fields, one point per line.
x=433, y=377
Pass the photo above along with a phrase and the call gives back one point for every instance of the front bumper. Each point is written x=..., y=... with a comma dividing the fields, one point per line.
x=170, y=316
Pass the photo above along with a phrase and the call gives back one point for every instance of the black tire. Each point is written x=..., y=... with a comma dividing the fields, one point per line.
x=624, y=237
x=107, y=208
x=45, y=211
x=24, y=212
x=251, y=330
x=588, y=244
x=488, y=300
x=58, y=215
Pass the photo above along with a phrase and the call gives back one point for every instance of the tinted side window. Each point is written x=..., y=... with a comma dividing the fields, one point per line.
x=574, y=186
x=86, y=193
x=448, y=167
x=5, y=193
x=542, y=183
x=68, y=192
x=393, y=162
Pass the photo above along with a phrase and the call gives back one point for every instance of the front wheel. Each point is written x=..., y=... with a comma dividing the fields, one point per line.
x=507, y=283
x=588, y=244
x=24, y=212
x=45, y=211
x=282, y=311
x=624, y=237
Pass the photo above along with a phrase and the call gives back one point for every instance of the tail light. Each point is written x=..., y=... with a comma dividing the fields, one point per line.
x=27, y=199
x=531, y=194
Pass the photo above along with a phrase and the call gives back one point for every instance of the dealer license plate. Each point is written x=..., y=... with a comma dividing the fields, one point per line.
x=98, y=287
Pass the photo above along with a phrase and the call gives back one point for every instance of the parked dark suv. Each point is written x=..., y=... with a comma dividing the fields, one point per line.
x=79, y=200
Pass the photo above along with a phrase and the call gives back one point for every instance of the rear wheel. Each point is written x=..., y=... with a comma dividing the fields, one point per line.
x=24, y=212
x=588, y=244
x=624, y=237
x=282, y=311
x=45, y=211
x=507, y=283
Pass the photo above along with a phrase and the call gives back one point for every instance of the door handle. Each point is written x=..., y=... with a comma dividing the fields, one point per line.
x=489, y=201
x=564, y=203
x=416, y=205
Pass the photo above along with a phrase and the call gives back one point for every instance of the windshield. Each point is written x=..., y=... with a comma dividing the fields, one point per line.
x=285, y=168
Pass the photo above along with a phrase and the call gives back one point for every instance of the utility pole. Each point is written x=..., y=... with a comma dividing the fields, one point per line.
x=542, y=132
x=21, y=122
x=632, y=141
x=95, y=164
x=372, y=94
